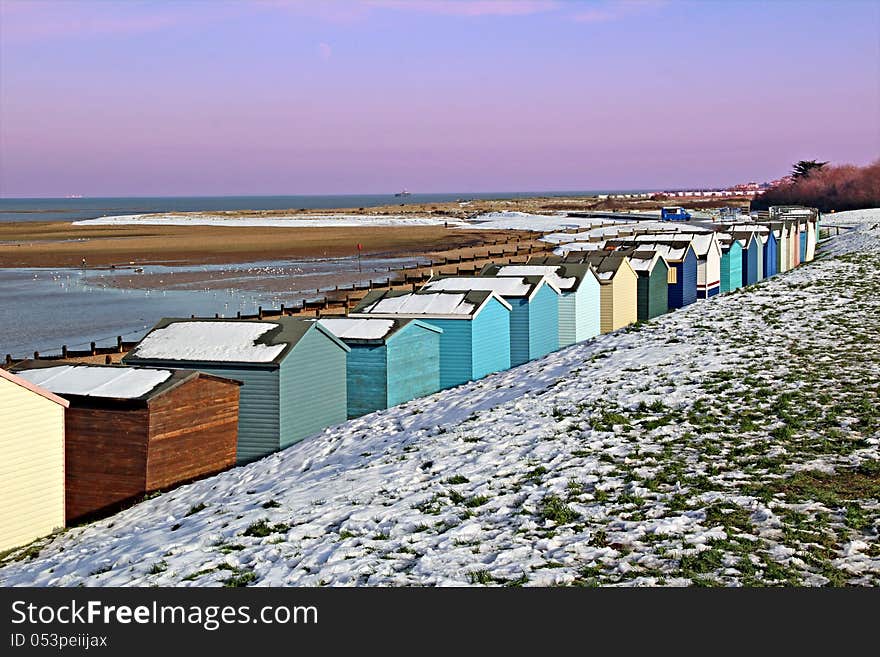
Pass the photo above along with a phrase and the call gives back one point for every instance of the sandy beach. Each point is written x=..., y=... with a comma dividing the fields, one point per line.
x=65, y=245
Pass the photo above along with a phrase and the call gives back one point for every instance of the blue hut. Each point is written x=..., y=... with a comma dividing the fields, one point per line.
x=293, y=371
x=682, y=260
x=731, y=263
x=579, y=300
x=752, y=253
x=475, y=324
x=534, y=317
x=391, y=361
x=771, y=254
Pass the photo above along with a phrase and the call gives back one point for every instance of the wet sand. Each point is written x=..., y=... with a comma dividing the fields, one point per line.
x=295, y=280
x=61, y=244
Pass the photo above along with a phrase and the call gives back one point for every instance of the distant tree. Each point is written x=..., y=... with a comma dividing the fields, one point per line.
x=805, y=167
x=843, y=187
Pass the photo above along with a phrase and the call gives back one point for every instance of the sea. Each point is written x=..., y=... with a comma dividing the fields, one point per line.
x=44, y=308
x=74, y=209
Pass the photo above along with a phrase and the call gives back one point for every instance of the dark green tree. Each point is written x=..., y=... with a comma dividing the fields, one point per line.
x=803, y=168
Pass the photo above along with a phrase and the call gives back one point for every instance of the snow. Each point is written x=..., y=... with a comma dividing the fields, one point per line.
x=505, y=287
x=527, y=221
x=637, y=436
x=551, y=273
x=422, y=304
x=111, y=382
x=641, y=262
x=292, y=221
x=358, y=329
x=210, y=341
x=605, y=275
x=579, y=246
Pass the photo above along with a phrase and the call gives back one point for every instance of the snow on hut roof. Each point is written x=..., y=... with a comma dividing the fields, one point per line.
x=505, y=287
x=422, y=304
x=641, y=260
x=671, y=251
x=97, y=381
x=358, y=329
x=549, y=272
x=211, y=341
x=606, y=263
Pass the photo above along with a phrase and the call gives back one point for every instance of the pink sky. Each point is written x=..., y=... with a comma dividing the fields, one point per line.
x=143, y=98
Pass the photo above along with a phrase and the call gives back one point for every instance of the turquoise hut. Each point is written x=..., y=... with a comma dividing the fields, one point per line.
x=731, y=263
x=534, y=316
x=475, y=324
x=293, y=371
x=579, y=299
x=391, y=361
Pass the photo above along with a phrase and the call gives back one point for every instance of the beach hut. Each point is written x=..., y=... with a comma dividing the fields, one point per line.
x=391, y=360
x=618, y=291
x=132, y=431
x=293, y=371
x=751, y=256
x=804, y=231
x=811, y=238
x=682, y=260
x=534, y=316
x=731, y=263
x=795, y=243
x=31, y=461
x=579, y=300
x=770, y=261
x=782, y=230
x=708, y=252
x=653, y=285
x=475, y=324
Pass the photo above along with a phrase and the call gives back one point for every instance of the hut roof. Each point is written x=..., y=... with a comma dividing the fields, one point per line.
x=367, y=329
x=27, y=385
x=568, y=276
x=672, y=250
x=606, y=264
x=423, y=304
x=641, y=260
x=110, y=382
x=225, y=340
x=523, y=286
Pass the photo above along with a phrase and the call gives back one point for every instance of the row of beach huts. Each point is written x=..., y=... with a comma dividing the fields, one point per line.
x=197, y=396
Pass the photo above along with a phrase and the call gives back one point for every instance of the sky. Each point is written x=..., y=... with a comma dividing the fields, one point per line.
x=299, y=97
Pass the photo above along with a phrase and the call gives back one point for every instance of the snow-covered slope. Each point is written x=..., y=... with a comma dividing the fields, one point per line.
x=733, y=442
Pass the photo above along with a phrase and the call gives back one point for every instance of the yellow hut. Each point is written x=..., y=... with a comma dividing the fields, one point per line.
x=31, y=461
x=618, y=289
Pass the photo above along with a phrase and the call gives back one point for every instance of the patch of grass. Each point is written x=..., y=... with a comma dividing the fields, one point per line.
x=481, y=577
x=195, y=508
x=862, y=482
x=271, y=504
x=553, y=508
x=262, y=528
x=158, y=567
x=457, y=479
x=240, y=578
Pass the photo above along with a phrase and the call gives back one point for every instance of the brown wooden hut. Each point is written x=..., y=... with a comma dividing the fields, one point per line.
x=132, y=431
